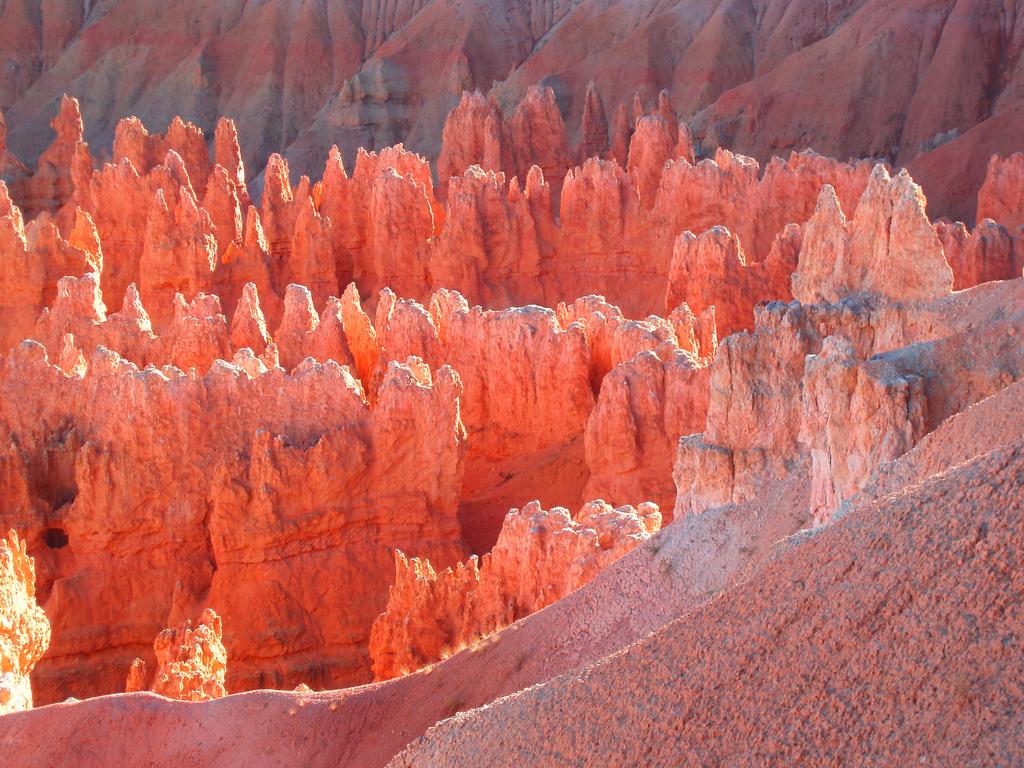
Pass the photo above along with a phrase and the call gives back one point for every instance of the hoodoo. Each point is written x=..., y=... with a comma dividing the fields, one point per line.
x=566, y=383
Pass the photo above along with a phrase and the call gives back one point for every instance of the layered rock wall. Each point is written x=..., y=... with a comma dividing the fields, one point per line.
x=306, y=473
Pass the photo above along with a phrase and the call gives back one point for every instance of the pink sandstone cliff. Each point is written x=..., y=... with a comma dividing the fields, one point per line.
x=228, y=529
x=592, y=403
x=496, y=239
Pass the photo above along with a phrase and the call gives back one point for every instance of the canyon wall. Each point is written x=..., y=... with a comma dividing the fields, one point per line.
x=371, y=74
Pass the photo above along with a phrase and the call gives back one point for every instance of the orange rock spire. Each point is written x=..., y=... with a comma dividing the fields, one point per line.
x=24, y=629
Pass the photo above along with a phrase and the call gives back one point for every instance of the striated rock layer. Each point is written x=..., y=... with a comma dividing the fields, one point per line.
x=278, y=477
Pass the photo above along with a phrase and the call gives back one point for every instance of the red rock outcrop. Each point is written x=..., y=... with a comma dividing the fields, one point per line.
x=987, y=253
x=249, y=261
x=24, y=628
x=752, y=435
x=471, y=136
x=79, y=254
x=401, y=222
x=36, y=258
x=373, y=473
x=179, y=253
x=539, y=557
x=300, y=434
x=889, y=248
x=763, y=83
x=191, y=660
x=599, y=212
x=312, y=262
x=860, y=415
x=51, y=185
x=652, y=145
x=867, y=399
x=856, y=417
x=221, y=201
x=136, y=680
x=477, y=133
x=1001, y=197
x=133, y=142
x=712, y=271
x=526, y=403
x=753, y=418
x=22, y=276
x=227, y=153
x=119, y=199
x=644, y=406
x=594, y=134
x=497, y=240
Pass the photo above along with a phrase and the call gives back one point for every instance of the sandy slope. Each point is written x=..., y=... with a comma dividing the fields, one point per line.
x=891, y=638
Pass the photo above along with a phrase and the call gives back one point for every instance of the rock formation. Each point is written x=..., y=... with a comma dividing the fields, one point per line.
x=645, y=405
x=1000, y=195
x=496, y=239
x=239, y=381
x=51, y=184
x=987, y=253
x=234, y=518
x=820, y=580
x=889, y=247
x=24, y=629
x=370, y=86
x=471, y=137
x=540, y=556
x=191, y=660
x=712, y=271
x=856, y=417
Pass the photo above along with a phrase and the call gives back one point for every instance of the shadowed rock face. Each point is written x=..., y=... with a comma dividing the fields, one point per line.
x=929, y=84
